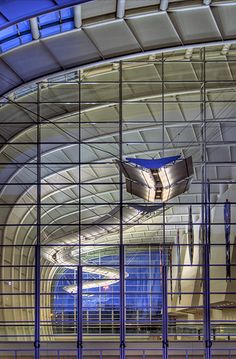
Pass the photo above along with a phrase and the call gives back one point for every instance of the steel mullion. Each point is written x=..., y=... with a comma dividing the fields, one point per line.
x=121, y=249
x=204, y=219
x=164, y=247
x=79, y=267
x=38, y=238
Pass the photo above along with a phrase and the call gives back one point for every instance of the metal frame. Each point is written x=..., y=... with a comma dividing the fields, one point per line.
x=38, y=237
x=205, y=219
x=164, y=234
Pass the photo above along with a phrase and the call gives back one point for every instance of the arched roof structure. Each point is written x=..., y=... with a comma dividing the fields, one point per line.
x=142, y=35
x=103, y=33
x=13, y=11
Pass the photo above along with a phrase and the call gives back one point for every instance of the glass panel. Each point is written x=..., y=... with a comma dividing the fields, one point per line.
x=104, y=261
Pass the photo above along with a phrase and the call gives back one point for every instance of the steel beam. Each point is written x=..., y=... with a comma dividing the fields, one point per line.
x=121, y=248
x=79, y=268
x=38, y=238
x=164, y=247
x=205, y=217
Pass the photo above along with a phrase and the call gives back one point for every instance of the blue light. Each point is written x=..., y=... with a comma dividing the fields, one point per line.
x=26, y=38
x=48, y=31
x=49, y=18
x=24, y=26
x=8, y=45
x=15, y=35
x=17, y=10
x=67, y=26
x=66, y=13
x=49, y=24
x=8, y=32
x=143, y=285
x=56, y=22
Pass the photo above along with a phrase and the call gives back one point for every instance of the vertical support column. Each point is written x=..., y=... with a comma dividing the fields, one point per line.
x=38, y=236
x=121, y=251
x=205, y=218
x=164, y=251
x=79, y=268
x=164, y=294
x=79, y=313
x=207, y=304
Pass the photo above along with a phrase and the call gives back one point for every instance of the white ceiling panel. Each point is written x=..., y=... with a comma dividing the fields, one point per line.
x=195, y=24
x=225, y=17
x=31, y=61
x=98, y=7
x=109, y=114
x=149, y=72
x=72, y=48
x=113, y=38
x=8, y=78
x=140, y=112
x=154, y=30
x=220, y=154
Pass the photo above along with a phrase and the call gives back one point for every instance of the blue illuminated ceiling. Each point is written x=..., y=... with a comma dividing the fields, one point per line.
x=56, y=20
x=13, y=11
x=48, y=24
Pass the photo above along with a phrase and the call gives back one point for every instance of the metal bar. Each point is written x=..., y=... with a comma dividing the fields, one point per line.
x=165, y=248
x=204, y=218
x=38, y=237
x=79, y=313
x=121, y=249
x=207, y=305
x=164, y=299
x=79, y=268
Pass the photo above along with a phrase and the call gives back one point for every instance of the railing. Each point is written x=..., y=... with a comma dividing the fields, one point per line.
x=184, y=353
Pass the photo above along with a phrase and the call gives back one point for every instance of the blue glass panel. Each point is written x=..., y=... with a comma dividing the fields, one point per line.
x=50, y=30
x=66, y=13
x=10, y=44
x=24, y=26
x=49, y=18
x=26, y=38
x=139, y=283
x=67, y=26
x=17, y=10
x=8, y=32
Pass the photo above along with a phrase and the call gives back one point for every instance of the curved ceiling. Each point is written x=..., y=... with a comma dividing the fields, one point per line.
x=142, y=134
x=105, y=34
x=13, y=11
x=101, y=39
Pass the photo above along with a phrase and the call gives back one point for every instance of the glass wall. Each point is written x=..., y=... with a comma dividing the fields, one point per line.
x=86, y=262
